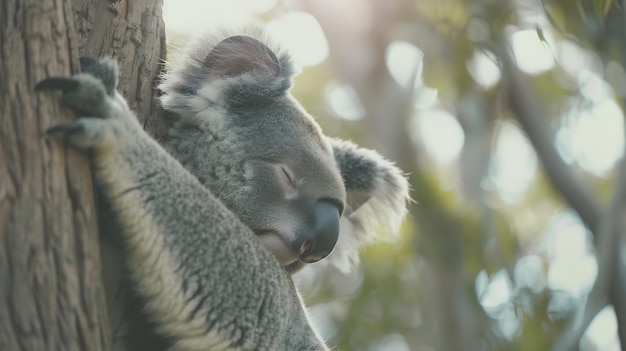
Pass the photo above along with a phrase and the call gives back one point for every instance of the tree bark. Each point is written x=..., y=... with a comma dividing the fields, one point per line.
x=133, y=33
x=51, y=293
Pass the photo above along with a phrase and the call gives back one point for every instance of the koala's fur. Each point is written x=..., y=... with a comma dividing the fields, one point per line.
x=191, y=219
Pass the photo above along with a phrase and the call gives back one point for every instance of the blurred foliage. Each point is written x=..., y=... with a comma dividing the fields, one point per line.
x=475, y=266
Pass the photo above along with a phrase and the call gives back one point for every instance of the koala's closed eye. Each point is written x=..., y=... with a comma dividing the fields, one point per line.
x=286, y=177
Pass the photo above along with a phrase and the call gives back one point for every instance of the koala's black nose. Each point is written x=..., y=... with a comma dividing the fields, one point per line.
x=320, y=235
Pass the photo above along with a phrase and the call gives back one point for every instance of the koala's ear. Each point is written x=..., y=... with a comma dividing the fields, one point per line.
x=241, y=54
x=377, y=199
x=225, y=68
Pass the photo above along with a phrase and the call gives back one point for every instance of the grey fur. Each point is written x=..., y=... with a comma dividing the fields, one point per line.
x=243, y=159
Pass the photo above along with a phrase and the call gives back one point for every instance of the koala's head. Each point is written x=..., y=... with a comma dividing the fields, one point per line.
x=244, y=137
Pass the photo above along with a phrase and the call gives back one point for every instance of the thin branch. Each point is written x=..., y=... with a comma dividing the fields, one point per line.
x=605, y=225
x=526, y=109
x=606, y=287
x=617, y=287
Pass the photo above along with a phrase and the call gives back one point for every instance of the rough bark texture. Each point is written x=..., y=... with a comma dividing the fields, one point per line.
x=133, y=33
x=51, y=295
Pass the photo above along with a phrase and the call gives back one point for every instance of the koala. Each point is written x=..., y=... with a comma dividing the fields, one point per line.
x=245, y=190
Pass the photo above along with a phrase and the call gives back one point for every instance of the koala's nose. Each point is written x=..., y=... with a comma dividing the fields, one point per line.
x=319, y=238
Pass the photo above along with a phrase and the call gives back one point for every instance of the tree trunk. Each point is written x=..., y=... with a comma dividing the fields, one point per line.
x=51, y=294
x=133, y=33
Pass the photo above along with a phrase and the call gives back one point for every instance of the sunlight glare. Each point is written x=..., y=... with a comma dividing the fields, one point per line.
x=513, y=165
x=303, y=35
x=593, y=87
x=405, y=63
x=573, y=267
x=570, y=238
x=598, y=139
x=595, y=137
x=498, y=291
x=573, y=276
x=483, y=68
x=344, y=101
x=440, y=133
x=193, y=17
x=481, y=283
x=508, y=322
x=573, y=59
x=425, y=97
x=532, y=55
x=603, y=330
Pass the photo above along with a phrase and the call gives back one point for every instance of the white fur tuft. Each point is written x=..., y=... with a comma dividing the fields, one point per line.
x=383, y=212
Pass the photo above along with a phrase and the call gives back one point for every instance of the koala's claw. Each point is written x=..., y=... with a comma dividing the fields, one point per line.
x=102, y=116
x=84, y=133
x=61, y=83
x=71, y=133
x=65, y=130
x=84, y=93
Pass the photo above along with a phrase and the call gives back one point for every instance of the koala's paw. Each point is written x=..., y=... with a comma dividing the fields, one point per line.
x=92, y=96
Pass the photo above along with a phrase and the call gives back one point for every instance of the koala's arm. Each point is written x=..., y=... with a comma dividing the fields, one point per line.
x=207, y=282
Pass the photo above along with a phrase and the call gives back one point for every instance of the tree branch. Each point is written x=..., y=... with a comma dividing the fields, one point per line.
x=605, y=225
x=528, y=113
x=607, y=286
